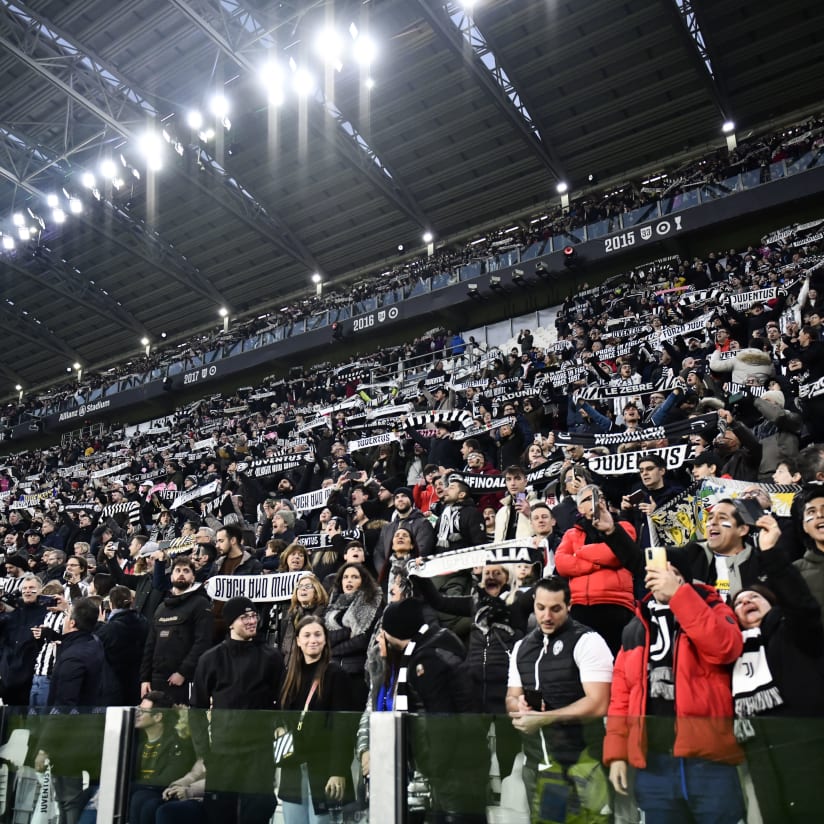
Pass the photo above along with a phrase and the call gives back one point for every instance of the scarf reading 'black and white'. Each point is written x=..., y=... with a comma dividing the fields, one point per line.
x=753, y=689
x=402, y=694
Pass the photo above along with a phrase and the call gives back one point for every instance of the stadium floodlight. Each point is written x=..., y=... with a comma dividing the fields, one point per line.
x=52, y=201
x=194, y=119
x=369, y=82
x=728, y=127
x=303, y=83
x=58, y=216
x=219, y=106
x=329, y=46
x=88, y=180
x=271, y=76
x=364, y=50
x=428, y=237
x=108, y=169
x=75, y=206
x=8, y=243
x=562, y=188
x=316, y=278
x=18, y=219
x=151, y=147
x=223, y=311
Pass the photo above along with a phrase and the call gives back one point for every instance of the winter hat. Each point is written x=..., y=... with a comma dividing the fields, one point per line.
x=235, y=607
x=774, y=396
x=18, y=561
x=372, y=509
x=404, y=490
x=403, y=619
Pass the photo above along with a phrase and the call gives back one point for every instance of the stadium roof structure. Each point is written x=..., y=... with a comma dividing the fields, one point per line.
x=475, y=112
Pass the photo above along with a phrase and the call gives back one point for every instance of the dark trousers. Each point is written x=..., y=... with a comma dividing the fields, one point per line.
x=71, y=797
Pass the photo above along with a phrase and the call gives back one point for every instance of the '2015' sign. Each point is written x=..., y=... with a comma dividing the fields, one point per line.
x=626, y=239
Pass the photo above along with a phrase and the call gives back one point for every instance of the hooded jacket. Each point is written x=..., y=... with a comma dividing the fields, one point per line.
x=596, y=574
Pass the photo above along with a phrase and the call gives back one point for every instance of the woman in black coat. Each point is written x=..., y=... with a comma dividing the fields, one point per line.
x=778, y=686
x=323, y=746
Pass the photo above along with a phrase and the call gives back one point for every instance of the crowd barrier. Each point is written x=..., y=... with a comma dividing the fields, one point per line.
x=415, y=761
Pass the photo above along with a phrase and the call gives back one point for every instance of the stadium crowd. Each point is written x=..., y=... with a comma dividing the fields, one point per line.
x=756, y=152
x=627, y=522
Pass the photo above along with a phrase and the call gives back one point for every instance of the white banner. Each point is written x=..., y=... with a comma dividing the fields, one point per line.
x=198, y=492
x=259, y=588
x=111, y=470
x=516, y=551
x=374, y=440
x=312, y=500
x=625, y=463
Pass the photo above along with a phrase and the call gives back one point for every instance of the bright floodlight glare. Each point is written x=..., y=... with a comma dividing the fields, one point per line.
x=18, y=387
x=151, y=145
x=144, y=341
x=17, y=219
x=223, y=311
x=316, y=278
x=365, y=50
x=194, y=119
x=219, y=106
x=728, y=127
x=207, y=135
x=427, y=237
x=23, y=232
x=8, y=242
x=271, y=76
x=52, y=201
x=369, y=83
x=303, y=83
x=75, y=206
x=468, y=4
x=562, y=188
x=58, y=216
x=76, y=365
x=108, y=169
x=88, y=180
x=328, y=45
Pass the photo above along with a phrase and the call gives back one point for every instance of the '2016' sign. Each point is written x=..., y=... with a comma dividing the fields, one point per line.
x=646, y=233
x=367, y=321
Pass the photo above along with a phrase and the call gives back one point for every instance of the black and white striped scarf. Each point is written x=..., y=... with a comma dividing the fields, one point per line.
x=402, y=684
x=753, y=688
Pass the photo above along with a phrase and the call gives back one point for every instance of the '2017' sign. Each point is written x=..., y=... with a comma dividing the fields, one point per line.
x=624, y=240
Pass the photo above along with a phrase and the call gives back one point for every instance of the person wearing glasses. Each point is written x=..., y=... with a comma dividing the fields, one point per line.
x=236, y=747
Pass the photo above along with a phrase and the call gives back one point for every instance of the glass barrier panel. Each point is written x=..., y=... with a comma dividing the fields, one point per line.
x=532, y=251
x=53, y=761
x=481, y=768
x=635, y=216
x=256, y=761
x=777, y=170
x=598, y=229
x=800, y=164
x=751, y=179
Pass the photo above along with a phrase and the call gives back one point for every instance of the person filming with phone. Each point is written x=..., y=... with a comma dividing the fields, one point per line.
x=512, y=519
x=670, y=711
x=599, y=556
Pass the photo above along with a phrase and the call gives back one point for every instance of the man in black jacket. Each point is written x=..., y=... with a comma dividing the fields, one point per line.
x=236, y=747
x=18, y=647
x=123, y=637
x=448, y=740
x=71, y=745
x=180, y=633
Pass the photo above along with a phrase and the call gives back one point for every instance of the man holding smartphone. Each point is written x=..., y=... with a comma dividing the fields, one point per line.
x=559, y=676
x=512, y=519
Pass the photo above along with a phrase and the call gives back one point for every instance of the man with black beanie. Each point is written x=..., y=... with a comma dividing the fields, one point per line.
x=238, y=674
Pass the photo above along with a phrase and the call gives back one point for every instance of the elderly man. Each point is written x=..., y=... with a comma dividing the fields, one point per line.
x=18, y=646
